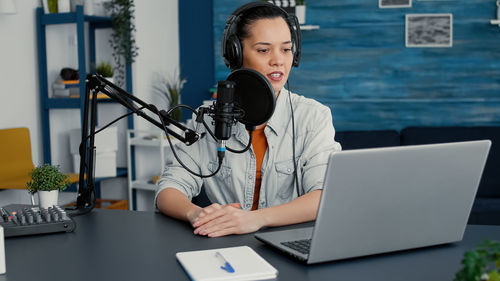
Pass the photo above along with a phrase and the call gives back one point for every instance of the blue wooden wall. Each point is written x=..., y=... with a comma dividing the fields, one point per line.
x=196, y=51
x=358, y=65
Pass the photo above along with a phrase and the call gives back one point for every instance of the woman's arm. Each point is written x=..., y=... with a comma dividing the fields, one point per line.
x=217, y=220
x=176, y=204
x=302, y=209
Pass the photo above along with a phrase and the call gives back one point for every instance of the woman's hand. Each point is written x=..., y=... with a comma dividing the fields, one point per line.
x=219, y=220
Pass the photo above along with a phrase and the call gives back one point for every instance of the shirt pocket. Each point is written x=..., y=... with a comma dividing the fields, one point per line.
x=285, y=179
x=223, y=175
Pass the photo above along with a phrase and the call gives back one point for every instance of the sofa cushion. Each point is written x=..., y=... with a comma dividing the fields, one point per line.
x=485, y=211
x=202, y=199
x=490, y=181
x=367, y=139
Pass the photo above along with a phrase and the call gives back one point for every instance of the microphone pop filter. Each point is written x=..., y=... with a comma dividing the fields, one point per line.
x=254, y=94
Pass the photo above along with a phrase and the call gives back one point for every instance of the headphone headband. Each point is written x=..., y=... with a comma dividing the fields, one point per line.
x=231, y=45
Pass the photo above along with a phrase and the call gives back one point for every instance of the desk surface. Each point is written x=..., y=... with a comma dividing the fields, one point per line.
x=126, y=245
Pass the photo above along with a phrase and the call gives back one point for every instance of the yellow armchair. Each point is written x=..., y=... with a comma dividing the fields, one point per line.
x=15, y=159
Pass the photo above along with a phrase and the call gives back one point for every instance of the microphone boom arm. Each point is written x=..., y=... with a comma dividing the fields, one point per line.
x=100, y=84
x=94, y=85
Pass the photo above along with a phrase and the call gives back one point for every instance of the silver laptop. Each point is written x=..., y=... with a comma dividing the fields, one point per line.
x=388, y=199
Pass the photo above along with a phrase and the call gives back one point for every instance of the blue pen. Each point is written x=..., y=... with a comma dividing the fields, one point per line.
x=225, y=264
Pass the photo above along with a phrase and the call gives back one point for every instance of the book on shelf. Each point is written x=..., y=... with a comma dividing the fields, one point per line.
x=99, y=96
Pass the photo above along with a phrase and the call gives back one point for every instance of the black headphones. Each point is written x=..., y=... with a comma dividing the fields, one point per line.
x=231, y=44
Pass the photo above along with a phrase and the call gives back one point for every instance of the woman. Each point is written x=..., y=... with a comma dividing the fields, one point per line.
x=257, y=188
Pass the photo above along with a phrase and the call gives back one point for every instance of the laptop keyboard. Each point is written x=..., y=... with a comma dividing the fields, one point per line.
x=301, y=246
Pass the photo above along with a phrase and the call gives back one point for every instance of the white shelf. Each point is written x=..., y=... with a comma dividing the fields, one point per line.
x=309, y=27
x=150, y=140
x=147, y=141
x=142, y=184
x=495, y=22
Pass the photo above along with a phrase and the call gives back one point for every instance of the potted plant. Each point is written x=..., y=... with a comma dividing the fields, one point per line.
x=170, y=90
x=300, y=11
x=482, y=263
x=122, y=40
x=105, y=70
x=47, y=181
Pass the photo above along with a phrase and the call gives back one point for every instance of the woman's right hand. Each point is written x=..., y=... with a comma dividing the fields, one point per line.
x=202, y=212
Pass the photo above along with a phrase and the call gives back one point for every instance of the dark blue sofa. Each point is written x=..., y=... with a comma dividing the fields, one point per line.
x=486, y=208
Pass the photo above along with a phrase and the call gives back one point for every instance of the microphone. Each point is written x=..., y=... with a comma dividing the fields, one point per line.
x=224, y=115
x=246, y=96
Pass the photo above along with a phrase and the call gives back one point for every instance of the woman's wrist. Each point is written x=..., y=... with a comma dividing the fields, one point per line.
x=263, y=217
x=192, y=213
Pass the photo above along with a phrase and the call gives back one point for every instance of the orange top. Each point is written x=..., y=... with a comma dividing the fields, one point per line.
x=259, y=143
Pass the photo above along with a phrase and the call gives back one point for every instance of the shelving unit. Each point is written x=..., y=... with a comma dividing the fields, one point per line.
x=136, y=138
x=309, y=27
x=48, y=103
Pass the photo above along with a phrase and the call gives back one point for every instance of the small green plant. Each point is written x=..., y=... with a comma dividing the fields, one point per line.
x=105, y=69
x=46, y=178
x=482, y=263
x=123, y=38
x=170, y=89
x=52, y=6
x=300, y=2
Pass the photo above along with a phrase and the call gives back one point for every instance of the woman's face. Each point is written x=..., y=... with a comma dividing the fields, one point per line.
x=268, y=50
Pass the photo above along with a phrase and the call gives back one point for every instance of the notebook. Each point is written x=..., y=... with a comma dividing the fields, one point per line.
x=235, y=263
x=388, y=199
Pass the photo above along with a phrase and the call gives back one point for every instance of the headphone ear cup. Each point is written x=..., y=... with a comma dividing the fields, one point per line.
x=293, y=22
x=233, y=56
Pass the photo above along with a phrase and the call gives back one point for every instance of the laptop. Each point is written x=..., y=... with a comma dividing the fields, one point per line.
x=389, y=199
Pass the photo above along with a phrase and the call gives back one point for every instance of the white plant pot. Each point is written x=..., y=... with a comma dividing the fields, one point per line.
x=300, y=12
x=99, y=8
x=47, y=198
x=110, y=79
x=88, y=7
x=63, y=6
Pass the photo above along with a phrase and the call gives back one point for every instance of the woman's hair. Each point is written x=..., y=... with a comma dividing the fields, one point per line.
x=251, y=15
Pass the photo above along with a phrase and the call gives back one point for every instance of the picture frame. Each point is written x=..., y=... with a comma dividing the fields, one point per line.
x=429, y=30
x=394, y=3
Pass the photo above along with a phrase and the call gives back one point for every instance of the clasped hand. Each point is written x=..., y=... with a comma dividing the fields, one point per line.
x=219, y=220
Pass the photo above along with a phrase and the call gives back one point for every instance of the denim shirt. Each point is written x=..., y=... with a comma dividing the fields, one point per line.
x=235, y=181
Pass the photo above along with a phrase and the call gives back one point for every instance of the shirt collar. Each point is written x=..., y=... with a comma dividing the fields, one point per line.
x=276, y=123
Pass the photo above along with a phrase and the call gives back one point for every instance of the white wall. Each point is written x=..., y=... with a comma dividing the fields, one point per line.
x=158, y=41
x=157, y=38
x=19, y=106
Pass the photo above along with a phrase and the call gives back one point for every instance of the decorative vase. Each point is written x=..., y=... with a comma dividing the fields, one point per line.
x=300, y=12
x=47, y=198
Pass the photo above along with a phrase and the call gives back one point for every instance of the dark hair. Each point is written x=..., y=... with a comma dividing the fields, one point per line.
x=251, y=15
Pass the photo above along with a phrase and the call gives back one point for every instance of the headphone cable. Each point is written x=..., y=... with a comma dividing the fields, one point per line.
x=293, y=141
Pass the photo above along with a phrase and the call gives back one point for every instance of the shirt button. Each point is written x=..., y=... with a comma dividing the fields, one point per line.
x=252, y=156
x=250, y=177
x=248, y=205
x=289, y=170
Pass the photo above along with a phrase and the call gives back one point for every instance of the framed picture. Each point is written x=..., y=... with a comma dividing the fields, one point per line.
x=394, y=3
x=429, y=30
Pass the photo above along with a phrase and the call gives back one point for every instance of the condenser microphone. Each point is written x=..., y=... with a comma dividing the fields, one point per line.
x=224, y=115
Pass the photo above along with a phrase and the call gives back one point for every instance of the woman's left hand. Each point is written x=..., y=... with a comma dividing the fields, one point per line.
x=228, y=219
